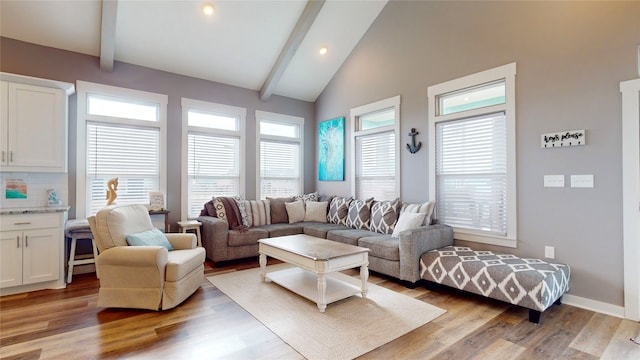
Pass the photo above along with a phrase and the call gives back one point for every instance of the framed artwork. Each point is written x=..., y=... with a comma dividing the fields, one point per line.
x=331, y=150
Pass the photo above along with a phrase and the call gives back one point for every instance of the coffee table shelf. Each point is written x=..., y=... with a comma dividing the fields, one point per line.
x=304, y=283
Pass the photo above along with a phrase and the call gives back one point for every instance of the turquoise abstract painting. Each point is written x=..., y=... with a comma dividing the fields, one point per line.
x=331, y=150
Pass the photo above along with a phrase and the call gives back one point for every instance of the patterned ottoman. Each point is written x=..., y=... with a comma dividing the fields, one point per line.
x=530, y=283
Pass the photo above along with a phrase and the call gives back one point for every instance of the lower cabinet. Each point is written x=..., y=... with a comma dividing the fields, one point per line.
x=31, y=252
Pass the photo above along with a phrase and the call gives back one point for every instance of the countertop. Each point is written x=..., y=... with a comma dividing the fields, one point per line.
x=34, y=210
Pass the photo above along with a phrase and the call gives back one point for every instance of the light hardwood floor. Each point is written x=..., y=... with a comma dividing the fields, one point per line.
x=66, y=324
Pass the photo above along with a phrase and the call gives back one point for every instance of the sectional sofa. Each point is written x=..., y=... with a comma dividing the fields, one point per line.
x=396, y=233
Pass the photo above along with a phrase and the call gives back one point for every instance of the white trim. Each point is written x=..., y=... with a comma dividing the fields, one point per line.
x=188, y=104
x=631, y=196
x=507, y=72
x=392, y=102
x=593, y=305
x=285, y=119
x=83, y=89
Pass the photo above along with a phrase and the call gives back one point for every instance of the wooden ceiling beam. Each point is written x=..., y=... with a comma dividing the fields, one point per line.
x=108, y=34
x=308, y=16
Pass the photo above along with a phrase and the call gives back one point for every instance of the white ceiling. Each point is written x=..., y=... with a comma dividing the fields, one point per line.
x=239, y=45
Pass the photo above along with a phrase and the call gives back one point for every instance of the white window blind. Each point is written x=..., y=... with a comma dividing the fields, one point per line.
x=129, y=153
x=471, y=173
x=214, y=169
x=279, y=168
x=376, y=166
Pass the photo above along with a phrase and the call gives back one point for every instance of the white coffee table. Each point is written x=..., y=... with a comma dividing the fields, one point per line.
x=314, y=259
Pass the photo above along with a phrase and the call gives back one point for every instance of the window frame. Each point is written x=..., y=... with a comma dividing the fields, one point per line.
x=507, y=73
x=221, y=109
x=84, y=89
x=355, y=114
x=284, y=119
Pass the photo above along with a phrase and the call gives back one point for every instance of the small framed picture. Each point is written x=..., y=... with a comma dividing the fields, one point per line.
x=156, y=200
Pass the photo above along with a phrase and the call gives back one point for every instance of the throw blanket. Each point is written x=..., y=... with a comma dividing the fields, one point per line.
x=225, y=208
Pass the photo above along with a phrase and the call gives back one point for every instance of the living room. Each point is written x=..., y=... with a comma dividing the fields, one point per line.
x=570, y=57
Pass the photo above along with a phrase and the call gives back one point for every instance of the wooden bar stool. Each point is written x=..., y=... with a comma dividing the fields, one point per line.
x=191, y=225
x=75, y=230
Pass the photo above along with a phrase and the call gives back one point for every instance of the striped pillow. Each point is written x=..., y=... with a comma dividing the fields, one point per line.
x=258, y=212
x=425, y=208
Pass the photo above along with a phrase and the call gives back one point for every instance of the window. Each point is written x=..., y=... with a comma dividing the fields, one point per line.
x=375, y=162
x=123, y=134
x=472, y=155
x=279, y=154
x=213, y=160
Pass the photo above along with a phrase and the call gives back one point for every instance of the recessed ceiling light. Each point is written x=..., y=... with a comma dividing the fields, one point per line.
x=324, y=50
x=207, y=9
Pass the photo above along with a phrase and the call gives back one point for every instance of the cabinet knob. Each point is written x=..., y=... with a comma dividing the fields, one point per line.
x=10, y=156
x=26, y=241
x=23, y=223
x=18, y=242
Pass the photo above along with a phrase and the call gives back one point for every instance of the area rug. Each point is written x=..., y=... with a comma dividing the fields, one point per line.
x=347, y=329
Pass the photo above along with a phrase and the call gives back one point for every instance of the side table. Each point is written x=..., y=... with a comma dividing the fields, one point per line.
x=191, y=225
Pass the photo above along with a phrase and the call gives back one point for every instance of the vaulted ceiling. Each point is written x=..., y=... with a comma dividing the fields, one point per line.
x=265, y=45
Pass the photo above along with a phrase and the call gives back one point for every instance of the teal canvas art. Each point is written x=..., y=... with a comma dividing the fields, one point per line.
x=331, y=150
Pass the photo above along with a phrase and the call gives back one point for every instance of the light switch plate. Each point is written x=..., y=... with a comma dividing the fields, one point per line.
x=554, y=181
x=549, y=252
x=581, y=181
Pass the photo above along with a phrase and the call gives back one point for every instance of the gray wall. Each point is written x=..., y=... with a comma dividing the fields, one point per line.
x=38, y=61
x=571, y=57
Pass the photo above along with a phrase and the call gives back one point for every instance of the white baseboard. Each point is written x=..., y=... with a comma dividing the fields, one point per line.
x=593, y=305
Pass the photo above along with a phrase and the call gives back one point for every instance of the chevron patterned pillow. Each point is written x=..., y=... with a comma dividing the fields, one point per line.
x=359, y=214
x=338, y=210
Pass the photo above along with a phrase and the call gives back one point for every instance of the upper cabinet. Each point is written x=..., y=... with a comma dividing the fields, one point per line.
x=33, y=124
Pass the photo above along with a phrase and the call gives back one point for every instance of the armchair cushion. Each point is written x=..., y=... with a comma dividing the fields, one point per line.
x=153, y=237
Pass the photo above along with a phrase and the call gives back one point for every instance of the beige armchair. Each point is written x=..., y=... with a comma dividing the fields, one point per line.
x=145, y=277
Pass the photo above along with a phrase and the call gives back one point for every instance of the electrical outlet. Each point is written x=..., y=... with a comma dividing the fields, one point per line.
x=549, y=252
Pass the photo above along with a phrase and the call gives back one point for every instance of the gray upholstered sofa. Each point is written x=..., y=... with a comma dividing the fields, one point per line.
x=346, y=221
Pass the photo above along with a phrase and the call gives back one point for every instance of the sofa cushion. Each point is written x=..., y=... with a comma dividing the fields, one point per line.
x=384, y=215
x=307, y=197
x=316, y=211
x=182, y=262
x=338, y=210
x=383, y=246
x=359, y=215
x=153, y=237
x=279, y=210
x=320, y=229
x=258, y=212
x=246, y=237
x=295, y=211
x=425, y=208
x=408, y=221
x=350, y=236
x=283, y=229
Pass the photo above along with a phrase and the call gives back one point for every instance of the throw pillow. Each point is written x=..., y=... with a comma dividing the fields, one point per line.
x=243, y=211
x=408, y=220
x=307, y=197
x=359, y=214
x=316, y=211
x=425, y=208
x=278, y=210
x=258, y=212
x=153, y=237
x=338, y=210
x=295, y=211
x=218, y=205
x=384, y=215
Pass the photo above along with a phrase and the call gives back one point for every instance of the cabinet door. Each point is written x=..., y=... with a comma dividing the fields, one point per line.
x=3, y=121
x=40, y=256
x=36, y=128
x=10, y=258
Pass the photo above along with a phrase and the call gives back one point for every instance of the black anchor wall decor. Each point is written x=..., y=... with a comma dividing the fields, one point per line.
x=413, y=148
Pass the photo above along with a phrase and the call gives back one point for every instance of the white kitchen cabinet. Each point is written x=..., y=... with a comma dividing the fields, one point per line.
x=31, y=252
x=33, y=126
